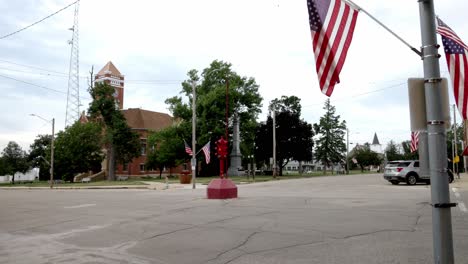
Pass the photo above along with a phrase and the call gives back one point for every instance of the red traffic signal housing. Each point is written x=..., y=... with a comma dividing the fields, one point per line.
x=221, y=148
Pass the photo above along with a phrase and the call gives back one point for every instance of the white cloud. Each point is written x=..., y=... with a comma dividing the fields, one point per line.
x=161, y=40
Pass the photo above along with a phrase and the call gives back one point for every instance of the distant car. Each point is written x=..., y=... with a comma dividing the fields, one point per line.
x=407, y=171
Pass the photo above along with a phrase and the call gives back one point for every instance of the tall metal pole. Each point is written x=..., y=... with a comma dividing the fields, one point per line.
x=227, y=125
x=52, y=155
x=347, y=151
x=274, y=143
x=440, y=196
x=455, y=138
x=194, y=141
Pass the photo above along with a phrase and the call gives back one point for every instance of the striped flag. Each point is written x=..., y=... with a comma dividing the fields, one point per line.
x=332, y=25
x=188, y=150
x=456, y=54
x=414, y=141
x=206, y=151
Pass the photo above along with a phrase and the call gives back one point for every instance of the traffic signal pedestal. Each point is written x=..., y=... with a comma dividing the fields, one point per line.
x=221, y=189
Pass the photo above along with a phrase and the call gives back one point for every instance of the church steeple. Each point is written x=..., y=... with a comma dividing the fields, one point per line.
x=376, y=140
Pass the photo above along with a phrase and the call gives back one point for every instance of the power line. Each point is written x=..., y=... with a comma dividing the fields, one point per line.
x=37, y=22
x=34, y=67
x=39, y=86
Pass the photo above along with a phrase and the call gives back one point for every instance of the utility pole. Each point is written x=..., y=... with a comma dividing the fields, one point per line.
x=274, y=143
x=194, y=141
x=347, y=150
x=440, y=196
x=52, y=155
x=455, y=169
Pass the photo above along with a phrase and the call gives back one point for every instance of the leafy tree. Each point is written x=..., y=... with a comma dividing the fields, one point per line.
x=77, y=149
x=3, y=166
x=366, y=157
x=14, y=160
x=293, y=135
x=243, y=96
x=166, y=148
x=330, y=147
x=450, y=140
x=392, y=152
x=40, y=150
x=121, y=142
x=407, y=154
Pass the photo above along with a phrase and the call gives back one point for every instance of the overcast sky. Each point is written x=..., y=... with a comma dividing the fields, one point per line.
x=160, y=41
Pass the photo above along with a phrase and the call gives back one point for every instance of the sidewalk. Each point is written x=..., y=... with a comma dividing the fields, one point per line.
x=461, y=183
x=149, y=185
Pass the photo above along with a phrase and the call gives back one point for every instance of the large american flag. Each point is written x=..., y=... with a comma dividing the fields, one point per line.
x=206, y=151
x=188, y=150
x=332, y=25
x=456, y=53
x=414, y=141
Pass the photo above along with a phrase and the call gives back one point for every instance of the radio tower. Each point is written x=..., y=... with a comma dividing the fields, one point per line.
x=73, y=94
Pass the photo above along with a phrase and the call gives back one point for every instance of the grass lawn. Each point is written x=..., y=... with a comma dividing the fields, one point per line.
x=175, y=179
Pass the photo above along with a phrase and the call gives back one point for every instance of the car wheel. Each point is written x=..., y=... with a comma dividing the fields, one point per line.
x=411, y=179
x=395, y=182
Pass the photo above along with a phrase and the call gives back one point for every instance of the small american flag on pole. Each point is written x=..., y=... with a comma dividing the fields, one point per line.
x=414, y=141
x=456, y=53
x=206, y=151
x=188, y=150
x=332, y=25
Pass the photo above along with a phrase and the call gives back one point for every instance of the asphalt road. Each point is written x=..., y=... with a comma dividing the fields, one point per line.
x=339, y=219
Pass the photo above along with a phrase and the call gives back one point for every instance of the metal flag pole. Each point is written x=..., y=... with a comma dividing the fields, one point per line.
x=385, y=27
x=440, y=196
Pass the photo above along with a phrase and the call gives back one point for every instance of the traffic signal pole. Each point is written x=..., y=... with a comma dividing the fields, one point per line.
x=440, y=196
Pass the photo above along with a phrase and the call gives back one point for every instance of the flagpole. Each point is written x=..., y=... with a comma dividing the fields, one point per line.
x=194, y=117
x=385, y=27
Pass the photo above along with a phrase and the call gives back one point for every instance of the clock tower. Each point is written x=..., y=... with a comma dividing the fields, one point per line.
x=110, y=75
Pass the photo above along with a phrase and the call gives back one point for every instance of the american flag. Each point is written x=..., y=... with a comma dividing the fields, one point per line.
x=332, y=25
x=206, y=150
x=456, y=53
x=188, y=149
x=414, y=141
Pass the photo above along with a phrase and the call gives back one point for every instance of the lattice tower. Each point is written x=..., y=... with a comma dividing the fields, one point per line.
x=73, y=94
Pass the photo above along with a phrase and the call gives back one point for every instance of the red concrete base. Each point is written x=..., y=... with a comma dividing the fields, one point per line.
x=221, y=189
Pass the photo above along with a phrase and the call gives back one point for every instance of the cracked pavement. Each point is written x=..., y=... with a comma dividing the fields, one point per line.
x=336, y=219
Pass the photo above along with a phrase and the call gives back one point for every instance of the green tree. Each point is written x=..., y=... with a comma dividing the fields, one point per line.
x=243, y=99
x=77, y=150
x=121, y=142
x=392, y=152
x=330, y=146
x=407, y=154
x=450, y=140
x=293, y=135
x=14, y=160
x=366, y=157
x=166, y=148
x=40, y=150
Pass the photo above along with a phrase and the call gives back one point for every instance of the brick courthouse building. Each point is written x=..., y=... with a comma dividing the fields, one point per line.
x=139, y=120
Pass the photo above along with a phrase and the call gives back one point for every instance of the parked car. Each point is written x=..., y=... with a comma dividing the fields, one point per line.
x=407, y=171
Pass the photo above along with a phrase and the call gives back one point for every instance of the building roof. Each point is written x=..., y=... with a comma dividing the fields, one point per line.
x=143, y=119
x=376, y=140
x=111, y=68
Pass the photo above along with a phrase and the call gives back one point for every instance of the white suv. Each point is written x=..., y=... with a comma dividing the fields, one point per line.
x=407, y=171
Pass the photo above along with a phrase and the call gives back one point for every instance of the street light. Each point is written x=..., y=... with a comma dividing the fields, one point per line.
x=347, y=149
x=51, y=148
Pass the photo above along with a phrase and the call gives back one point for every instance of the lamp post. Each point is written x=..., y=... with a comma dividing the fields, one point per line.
x=51, y=149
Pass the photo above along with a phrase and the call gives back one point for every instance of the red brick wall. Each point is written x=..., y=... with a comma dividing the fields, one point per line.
x=133, y=168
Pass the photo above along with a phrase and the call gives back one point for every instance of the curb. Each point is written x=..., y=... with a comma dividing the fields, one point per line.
x=79, y=187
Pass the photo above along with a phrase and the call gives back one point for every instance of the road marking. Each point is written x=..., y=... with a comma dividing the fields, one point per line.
x=79, y=206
